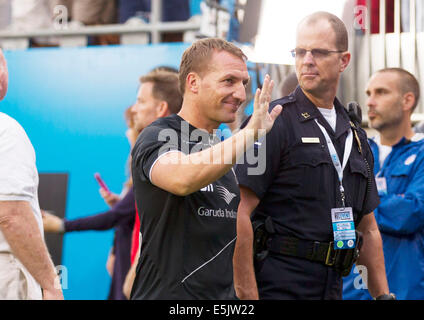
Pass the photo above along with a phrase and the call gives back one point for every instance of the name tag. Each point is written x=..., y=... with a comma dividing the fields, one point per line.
x=310, y=140
x=381, y=186
x=343, y=228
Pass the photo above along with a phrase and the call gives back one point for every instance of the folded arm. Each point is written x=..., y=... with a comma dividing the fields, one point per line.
x=403, y=214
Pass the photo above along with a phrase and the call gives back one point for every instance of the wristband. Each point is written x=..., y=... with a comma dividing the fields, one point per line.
x=62, y=226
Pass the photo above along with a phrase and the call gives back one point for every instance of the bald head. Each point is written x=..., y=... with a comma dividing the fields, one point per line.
x=337, y=25
x=3, y=76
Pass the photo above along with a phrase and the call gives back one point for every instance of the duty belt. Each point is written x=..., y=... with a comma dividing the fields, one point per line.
x=316, y=251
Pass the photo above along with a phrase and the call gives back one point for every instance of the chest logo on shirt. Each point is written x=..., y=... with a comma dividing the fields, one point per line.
x=410, y=159
x=305, y=115
x=225, y=194
x=207, y=188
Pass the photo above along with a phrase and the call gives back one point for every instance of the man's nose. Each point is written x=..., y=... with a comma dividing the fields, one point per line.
x=308, y=58
x=370, y=102
x=240, y=93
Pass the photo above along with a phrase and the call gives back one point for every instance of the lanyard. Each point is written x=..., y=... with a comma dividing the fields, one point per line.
x=335, y=158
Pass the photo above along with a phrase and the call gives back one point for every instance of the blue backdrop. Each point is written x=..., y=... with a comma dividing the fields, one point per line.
x=71, y=103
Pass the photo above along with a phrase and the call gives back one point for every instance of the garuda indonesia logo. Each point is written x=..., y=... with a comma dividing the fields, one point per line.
x=225, y=194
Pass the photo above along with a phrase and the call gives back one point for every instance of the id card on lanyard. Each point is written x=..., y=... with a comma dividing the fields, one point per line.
x=381, y=184
x=342, y=218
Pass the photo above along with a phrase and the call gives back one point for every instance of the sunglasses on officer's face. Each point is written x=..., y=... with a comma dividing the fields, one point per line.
x=316, y=53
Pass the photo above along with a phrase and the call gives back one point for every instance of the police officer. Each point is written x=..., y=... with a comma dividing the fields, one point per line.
x=317, y=186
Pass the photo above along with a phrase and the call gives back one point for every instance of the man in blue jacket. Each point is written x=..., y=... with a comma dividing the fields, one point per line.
x=393, y=94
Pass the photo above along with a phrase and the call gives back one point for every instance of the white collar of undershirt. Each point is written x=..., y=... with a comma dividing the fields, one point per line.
x=330, y=115
x=383, y=151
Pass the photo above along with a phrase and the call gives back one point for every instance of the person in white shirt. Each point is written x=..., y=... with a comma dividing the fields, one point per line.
x=26, y=269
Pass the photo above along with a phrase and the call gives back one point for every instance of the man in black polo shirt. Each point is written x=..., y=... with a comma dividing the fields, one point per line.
x=316, y=188
x=185, y=189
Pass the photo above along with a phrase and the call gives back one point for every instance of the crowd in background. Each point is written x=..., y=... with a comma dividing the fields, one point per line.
x=29, y=15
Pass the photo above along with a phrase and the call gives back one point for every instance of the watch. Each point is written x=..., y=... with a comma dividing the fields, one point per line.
x=390, y=296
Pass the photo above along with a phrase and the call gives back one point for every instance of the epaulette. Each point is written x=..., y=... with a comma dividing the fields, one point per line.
x=285, y=100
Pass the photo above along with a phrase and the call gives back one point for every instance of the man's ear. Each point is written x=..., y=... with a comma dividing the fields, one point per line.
x=192, y=82
x=345, y=61
x=408, y=101
x=162, y=110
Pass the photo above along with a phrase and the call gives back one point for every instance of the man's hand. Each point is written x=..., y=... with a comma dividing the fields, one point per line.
x=261, y=120
x=52, y=294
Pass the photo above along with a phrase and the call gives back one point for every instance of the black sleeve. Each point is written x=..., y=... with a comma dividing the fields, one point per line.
x=152, y=143
x=121, y=212
x=267, y=155
x=372, y=200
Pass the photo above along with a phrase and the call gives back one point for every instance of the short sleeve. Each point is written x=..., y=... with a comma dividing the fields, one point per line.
x=153, y=143
x=18, y=172
x=260, y=164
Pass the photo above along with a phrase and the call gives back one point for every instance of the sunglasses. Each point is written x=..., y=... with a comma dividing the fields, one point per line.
x=316, y=53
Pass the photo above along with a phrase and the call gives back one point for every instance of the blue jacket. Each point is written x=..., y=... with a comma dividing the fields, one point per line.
x=400, y=217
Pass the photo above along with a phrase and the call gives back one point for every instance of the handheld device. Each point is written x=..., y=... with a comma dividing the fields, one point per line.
x=101, y=182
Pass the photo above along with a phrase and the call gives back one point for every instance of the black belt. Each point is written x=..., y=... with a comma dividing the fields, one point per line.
x=311, y=250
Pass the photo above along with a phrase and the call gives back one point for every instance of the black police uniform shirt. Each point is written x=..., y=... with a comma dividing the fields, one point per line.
x=300, y=185
x=187, y=242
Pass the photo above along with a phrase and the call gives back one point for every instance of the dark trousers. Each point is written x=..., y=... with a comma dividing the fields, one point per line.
x=282, y=277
